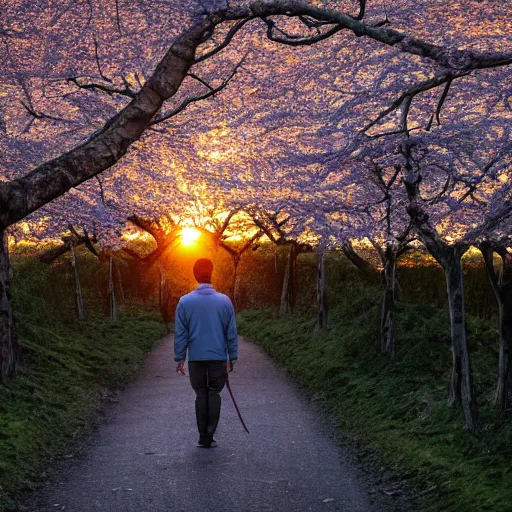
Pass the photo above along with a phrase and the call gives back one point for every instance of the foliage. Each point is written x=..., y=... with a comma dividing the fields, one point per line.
x=247, y=145
x=65, y=368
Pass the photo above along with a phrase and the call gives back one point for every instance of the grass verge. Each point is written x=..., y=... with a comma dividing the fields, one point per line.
x=400, y=407
x=65, y=368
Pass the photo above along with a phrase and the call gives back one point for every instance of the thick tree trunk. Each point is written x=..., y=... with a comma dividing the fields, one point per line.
x=287, y=305
x=461, y=384
x=449, y=257
x=502, y=288
x=321, y=295
x=284, y=306
x=164, y=297
x=79, y=301
x=387, y=323
x=504, y=387
x=113, y=309
x=236, y=284
x=9, y=347
x=120, y=281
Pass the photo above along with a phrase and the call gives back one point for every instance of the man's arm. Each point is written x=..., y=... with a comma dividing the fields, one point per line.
x=180, y=334
x=231, y=333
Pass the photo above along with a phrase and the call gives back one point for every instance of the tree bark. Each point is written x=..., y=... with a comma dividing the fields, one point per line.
x=387, y=323
x=79, y=301
x=53, y=254
x=113, y=309
x=74, y=240
x=236, y=263
x=504, y=387
x=321, y=295
x=164, y=297
x=502, y=288
x=236, y=254
x=9, y=347
x=364, y=266
x=462, y=390
x=287, y=305
x=461, y=387
x=164, y=239
x=120, y=281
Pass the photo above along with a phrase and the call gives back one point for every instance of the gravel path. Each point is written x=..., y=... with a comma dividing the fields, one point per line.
x=144, y=458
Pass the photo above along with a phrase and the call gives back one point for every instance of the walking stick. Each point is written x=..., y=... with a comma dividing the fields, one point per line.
x=235, y=404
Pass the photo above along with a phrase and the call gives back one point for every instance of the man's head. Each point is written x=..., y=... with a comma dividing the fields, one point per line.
x=203, y=269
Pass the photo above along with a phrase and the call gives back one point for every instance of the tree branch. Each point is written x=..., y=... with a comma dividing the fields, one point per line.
x=359, y=262
x=99, y=87
x=84, y=239
x=193, y=99
x=408, y=95
x=105, y=147
x=297, y=40
x=40, y=115
x=97, y=57
x=102, y=192
x=232, y=32
x=151, y=227
x=227, y=220
x=200, y=80
x=440, y=105
x=118, y=18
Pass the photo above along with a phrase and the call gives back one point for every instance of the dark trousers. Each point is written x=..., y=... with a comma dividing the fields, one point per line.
x=207, y=379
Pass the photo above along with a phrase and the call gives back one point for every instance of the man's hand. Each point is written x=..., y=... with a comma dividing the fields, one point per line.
x=231, y=366
x=180, y=368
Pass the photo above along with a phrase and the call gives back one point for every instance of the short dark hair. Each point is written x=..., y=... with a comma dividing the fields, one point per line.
x=203, y=269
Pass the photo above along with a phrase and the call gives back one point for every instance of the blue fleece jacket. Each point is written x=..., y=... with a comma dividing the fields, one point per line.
x=205, y=325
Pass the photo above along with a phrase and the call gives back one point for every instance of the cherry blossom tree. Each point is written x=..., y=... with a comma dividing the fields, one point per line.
x=478, y=221
x=235, y=234
x=501, y=285
x=117, y=102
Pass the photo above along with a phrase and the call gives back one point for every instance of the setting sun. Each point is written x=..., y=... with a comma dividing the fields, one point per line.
x=189, y=236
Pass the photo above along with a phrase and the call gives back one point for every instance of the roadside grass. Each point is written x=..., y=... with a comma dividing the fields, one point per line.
x=66, y=367
x=401, y=407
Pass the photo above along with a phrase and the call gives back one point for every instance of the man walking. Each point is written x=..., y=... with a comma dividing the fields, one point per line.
x=205, y=326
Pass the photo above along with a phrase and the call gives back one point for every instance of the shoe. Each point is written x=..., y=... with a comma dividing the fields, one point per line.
x=211, y=444
x=207, y=442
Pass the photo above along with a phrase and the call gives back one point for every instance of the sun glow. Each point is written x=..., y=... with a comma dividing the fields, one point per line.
x=189, y=236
